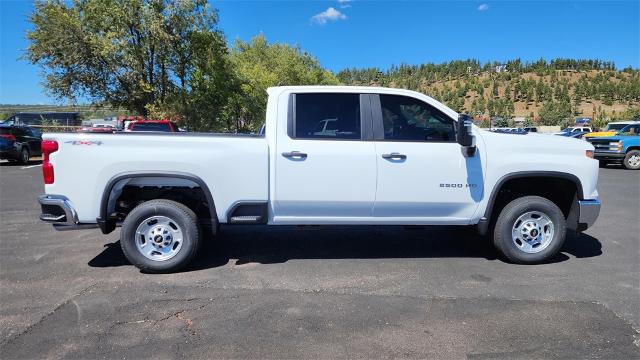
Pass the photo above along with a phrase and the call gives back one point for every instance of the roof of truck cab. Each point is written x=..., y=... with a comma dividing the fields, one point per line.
x=337, y=88
x=361, y=89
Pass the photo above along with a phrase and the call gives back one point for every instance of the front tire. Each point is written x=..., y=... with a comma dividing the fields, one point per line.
x=160, y=236
x=24, y=156
x=530, y=230
x=632, y=160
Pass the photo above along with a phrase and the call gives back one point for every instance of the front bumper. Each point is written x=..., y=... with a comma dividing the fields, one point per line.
x=609, y=155
x=589, y=211
x=8, y=154
x=57, y=210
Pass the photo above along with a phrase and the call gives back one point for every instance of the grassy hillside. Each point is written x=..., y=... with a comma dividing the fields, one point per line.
x=589, y=88
x=551, y=93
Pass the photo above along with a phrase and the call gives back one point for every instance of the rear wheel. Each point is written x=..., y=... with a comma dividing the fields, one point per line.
x=632, y=160
x=530, y=230
x=24, y=156
x=160, y=236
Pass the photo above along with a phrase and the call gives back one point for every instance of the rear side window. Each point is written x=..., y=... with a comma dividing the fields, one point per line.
x=151, y=127
x=20, y=132
x=408, y=119
x=327, y=116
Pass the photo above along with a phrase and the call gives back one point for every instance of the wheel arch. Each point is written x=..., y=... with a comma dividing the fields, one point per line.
x=114, y=186
x=485, y=220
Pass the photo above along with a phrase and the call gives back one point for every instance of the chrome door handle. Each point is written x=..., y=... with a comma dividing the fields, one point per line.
x=294, y=154
x=394, y=156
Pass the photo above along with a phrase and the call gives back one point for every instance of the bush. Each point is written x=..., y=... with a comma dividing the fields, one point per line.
x=553, y=113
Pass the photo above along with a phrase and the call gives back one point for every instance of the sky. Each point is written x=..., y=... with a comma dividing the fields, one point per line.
x=357, y=33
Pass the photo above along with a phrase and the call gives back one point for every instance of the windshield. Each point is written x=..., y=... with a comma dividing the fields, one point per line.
x=151, y=127
x=633, y=129
x=615, y=127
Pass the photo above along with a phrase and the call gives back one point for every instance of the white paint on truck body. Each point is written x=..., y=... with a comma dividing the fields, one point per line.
x=340, y=182
x=237, y=164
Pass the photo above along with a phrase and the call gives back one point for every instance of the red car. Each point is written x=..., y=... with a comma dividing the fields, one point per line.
x=153, y=125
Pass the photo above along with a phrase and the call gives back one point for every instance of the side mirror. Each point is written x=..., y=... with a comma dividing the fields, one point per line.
x=464, y=134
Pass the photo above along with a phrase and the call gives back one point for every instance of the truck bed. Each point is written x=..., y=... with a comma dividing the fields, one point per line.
x=85, y=163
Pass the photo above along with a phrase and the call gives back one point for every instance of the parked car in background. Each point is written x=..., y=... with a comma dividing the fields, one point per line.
x=153, y=126
x=573, y=134
x=624, y=147
x=583, y=121
x=575, y=129
x=611, y=129
x=19, y=143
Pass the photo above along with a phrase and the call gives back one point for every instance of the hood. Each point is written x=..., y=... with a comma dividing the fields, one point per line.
x=600, y=134
x=535, y=142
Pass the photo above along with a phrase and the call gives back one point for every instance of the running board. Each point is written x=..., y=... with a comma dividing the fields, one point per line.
x=248, y=212
x=247, y=219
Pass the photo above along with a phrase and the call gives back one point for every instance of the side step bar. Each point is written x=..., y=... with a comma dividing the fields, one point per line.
x=248, y=212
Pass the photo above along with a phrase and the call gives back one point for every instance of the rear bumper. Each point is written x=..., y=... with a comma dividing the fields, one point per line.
x=57, y=210
x=589, y=211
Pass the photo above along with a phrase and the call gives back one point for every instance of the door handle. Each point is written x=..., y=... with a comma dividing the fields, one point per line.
x=294, y=154
x=394, y=156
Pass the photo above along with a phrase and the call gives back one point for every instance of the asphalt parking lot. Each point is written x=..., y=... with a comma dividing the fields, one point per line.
x=289, y=292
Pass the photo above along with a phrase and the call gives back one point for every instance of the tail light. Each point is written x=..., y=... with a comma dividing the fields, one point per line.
x=48, y=147
x=8, y=137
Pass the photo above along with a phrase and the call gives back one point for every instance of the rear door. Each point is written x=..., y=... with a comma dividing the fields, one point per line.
x=325, y=168
x=423, y=174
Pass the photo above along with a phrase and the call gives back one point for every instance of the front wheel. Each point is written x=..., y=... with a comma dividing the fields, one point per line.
x=24, y=156
x=530, y=230
x=632, y=160
x=160, y=236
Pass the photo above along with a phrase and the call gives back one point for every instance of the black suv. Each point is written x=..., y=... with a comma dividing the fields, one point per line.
x=19, y=142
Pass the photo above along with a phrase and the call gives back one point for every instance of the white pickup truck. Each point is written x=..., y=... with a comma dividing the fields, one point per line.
x=328, y=155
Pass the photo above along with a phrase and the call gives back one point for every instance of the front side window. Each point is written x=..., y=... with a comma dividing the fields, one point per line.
x=151, y=127
x=613, y=127
x=327, y=116
x=408, y=119
x=630, y=130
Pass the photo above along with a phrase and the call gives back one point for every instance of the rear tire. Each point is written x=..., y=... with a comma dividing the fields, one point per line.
x=530, y=230
x=160, y=236
x=632, y=160
x=24, y=156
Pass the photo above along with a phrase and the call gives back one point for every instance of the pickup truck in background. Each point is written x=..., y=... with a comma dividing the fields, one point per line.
x=622, y=148
x=328, y=155
x=611, y=129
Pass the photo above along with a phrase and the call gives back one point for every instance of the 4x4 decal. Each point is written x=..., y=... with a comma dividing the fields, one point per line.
x=83, y=142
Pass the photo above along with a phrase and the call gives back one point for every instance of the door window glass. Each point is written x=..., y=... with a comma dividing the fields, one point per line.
x=327, y=116
x=408, y=119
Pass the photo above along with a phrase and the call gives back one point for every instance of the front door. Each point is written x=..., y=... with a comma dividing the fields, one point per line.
x=423, y=175
x=325, y=172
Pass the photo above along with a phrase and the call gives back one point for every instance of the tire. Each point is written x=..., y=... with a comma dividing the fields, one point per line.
x=171, y=236
x=530, y=230
x=632, y=160
x=603, y=164
x=24, y=156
